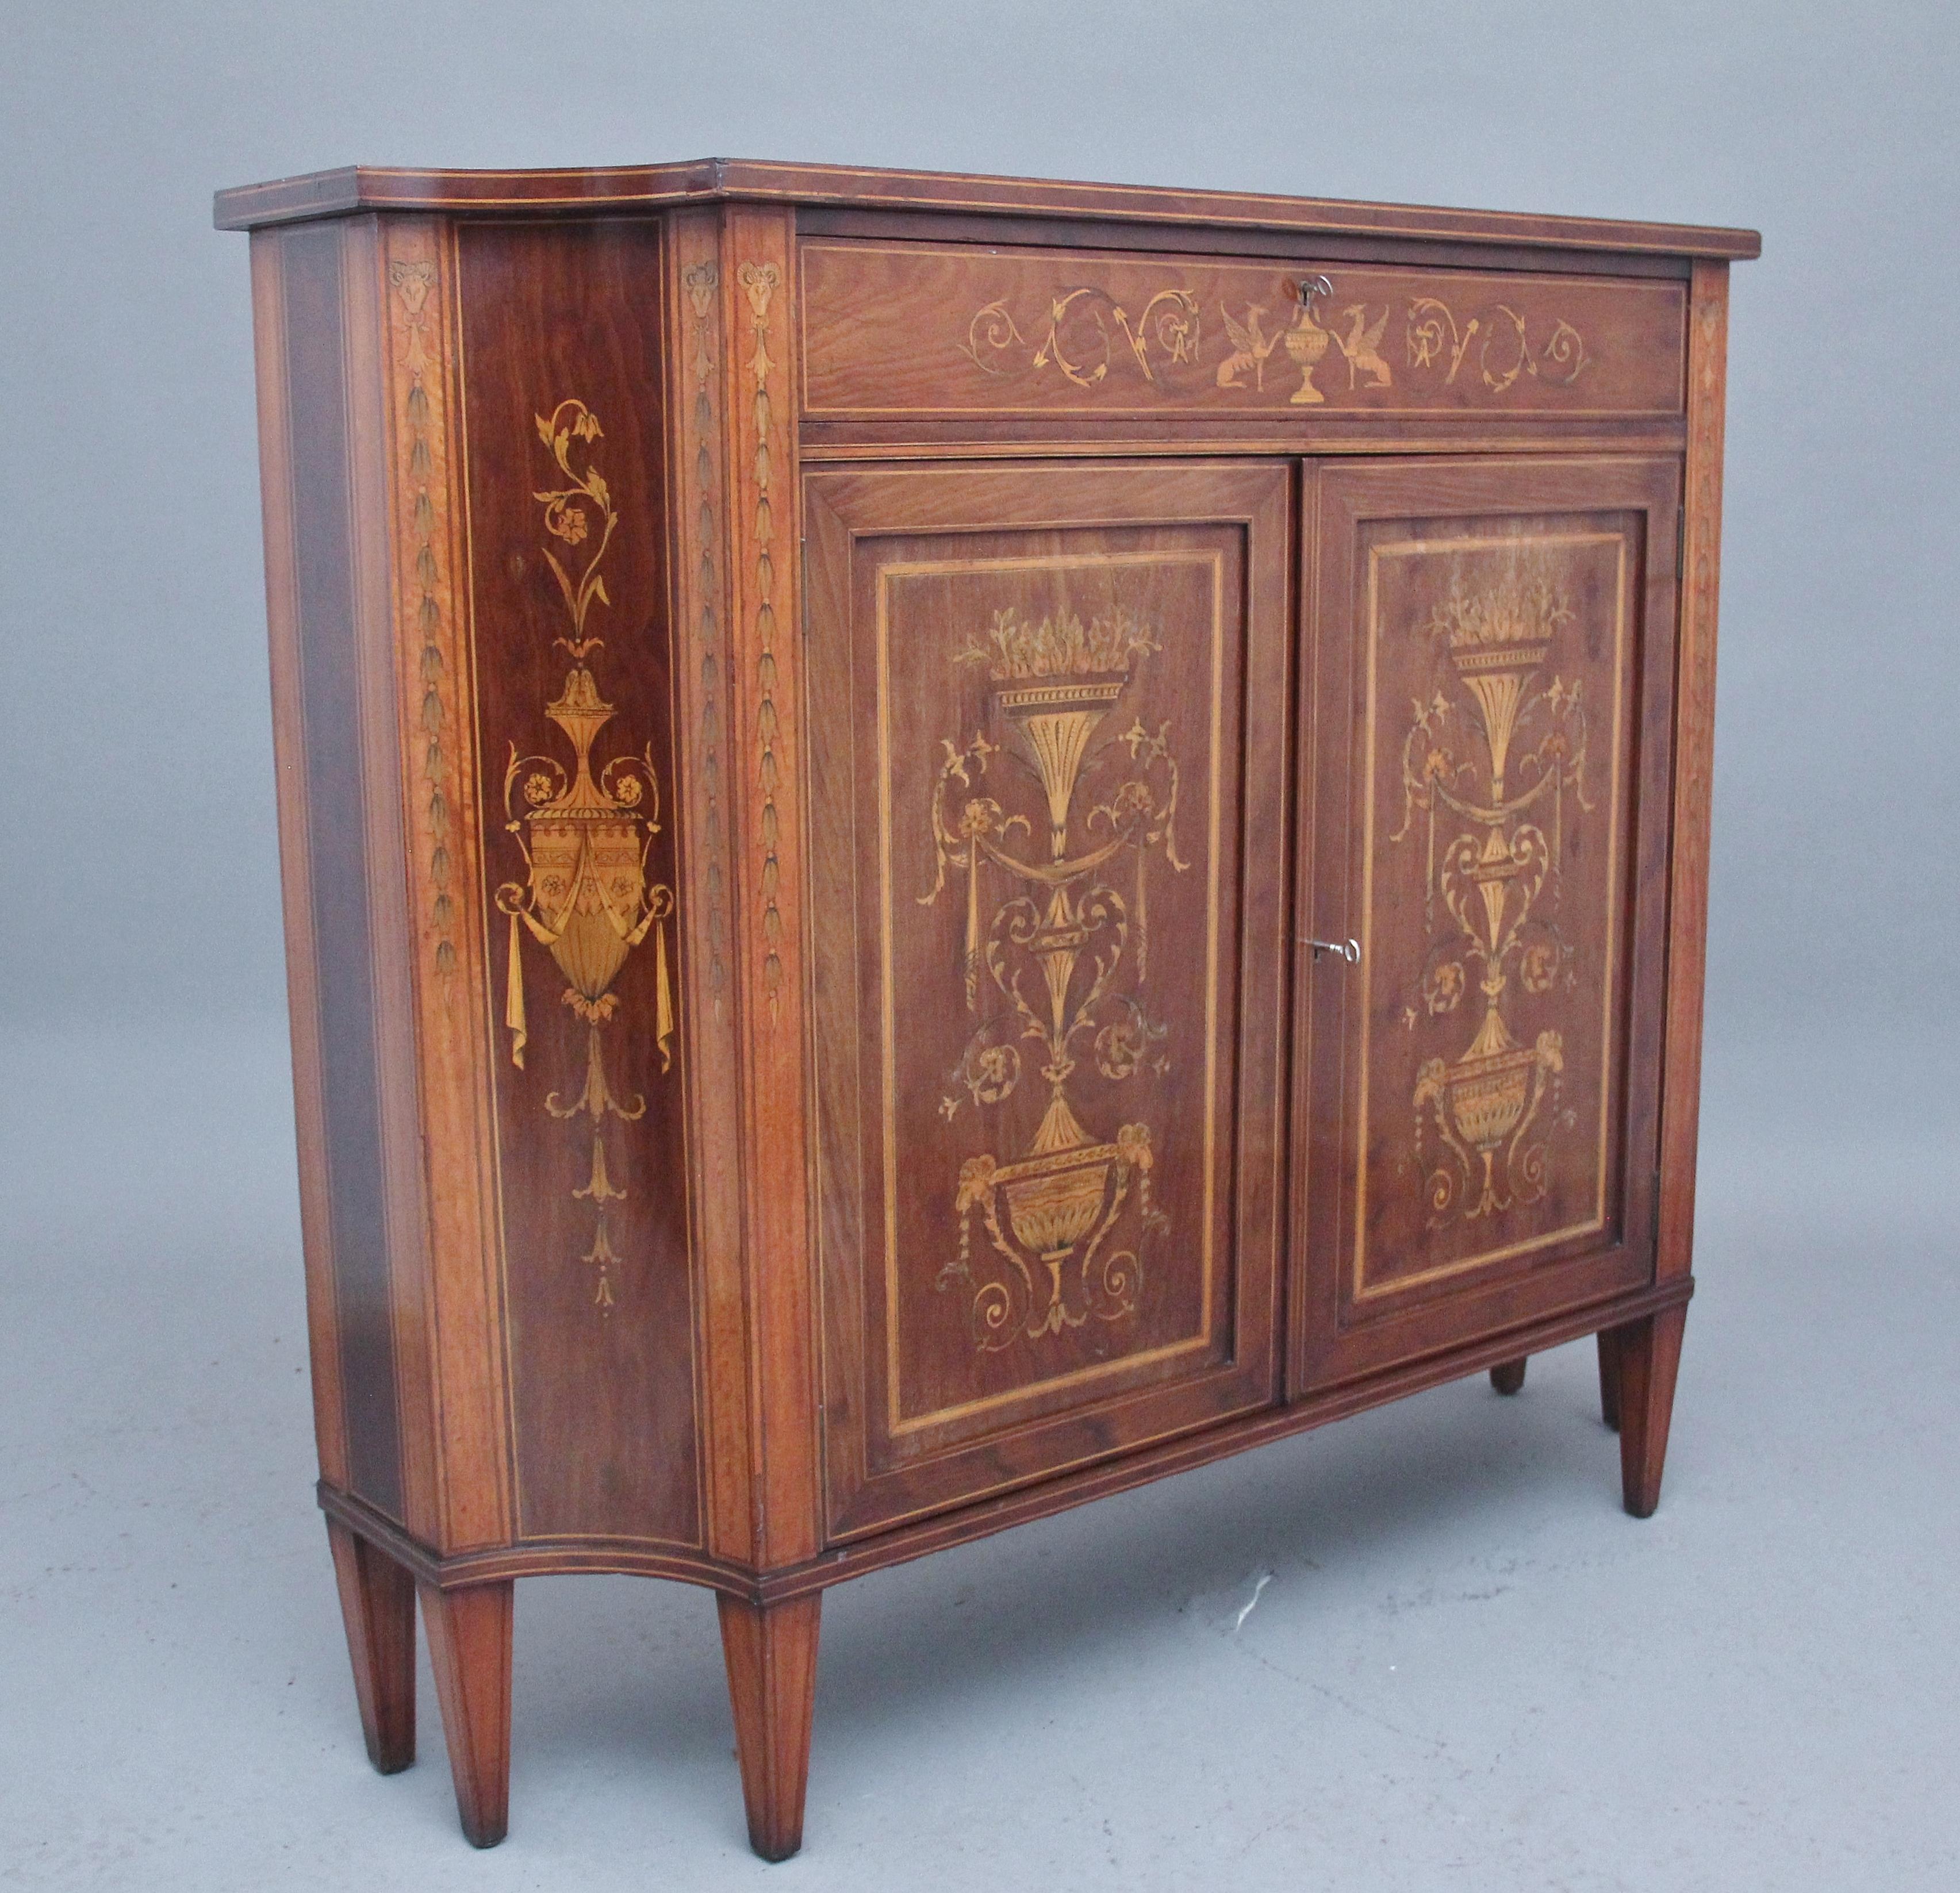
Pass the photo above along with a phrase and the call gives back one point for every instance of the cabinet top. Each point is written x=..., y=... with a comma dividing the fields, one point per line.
x=646, y=187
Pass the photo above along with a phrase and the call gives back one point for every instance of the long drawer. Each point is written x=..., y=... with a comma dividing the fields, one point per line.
x=901, y=330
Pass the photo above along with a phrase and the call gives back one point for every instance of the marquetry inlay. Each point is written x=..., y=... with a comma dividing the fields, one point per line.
x=585, y=836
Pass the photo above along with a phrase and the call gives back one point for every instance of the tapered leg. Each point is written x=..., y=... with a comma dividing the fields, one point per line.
x=1508, y=1376
x=468, y=1634
x=1609, y=1377
x=377, y=1601
x=1649, y=1355
x=771, y=1650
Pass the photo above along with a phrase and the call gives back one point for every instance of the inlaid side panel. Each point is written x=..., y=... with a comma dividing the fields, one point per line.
x=1034, y=904
x=703, y=542
x=767, y=752
x=912, y=329
x=456, y=1320
x=1491, y=684
x=574, y=729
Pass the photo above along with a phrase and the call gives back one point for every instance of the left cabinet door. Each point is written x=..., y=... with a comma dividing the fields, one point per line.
x=1047, y=739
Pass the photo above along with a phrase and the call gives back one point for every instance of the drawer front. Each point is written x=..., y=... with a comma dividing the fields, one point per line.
x=1489, y=698
x=918, y=330
x=1047, y=712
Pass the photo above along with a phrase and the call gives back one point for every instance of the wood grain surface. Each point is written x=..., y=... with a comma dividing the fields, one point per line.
x=323, y=711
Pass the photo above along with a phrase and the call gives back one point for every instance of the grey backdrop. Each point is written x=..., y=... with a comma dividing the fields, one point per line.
x=1753, y=1690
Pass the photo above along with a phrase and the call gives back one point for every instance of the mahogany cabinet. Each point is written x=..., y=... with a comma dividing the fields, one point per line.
x=949, y=843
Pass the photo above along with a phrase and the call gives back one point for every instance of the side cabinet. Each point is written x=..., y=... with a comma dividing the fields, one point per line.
x=1485, y=693
x=952, y=843
x=1048, y=740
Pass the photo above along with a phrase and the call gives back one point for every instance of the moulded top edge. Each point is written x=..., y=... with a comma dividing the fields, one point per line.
x=354, y=188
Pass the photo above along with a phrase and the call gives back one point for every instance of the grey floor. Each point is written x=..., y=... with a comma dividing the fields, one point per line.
x=1464, y=1667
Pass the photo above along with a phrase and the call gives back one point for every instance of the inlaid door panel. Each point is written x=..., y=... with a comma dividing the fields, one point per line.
x=1477, y=1081
x=1049, y=853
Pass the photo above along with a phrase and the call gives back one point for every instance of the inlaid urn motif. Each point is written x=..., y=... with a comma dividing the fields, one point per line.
x=1496, y=762
x=586, y=897
x=585, y=839
x=1306, y=342
x=1065, y=955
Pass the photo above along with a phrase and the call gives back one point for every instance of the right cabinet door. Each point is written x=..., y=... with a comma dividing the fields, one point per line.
x=1488, y=678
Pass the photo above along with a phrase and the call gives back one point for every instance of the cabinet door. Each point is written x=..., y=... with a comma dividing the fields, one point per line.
x=1049, y=856
x=1487, y=710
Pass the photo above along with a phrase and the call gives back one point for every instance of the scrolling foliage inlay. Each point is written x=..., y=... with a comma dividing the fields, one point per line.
x=419, y=372
x=759, y=283
x=1086, y=338
x=701, y=281
x=1077, y=339
x=1065, y=954
x=1493, y=755
x=587, y=897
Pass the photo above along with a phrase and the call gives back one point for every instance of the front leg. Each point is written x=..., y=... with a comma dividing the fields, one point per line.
x=771, y=1650
x=1647, y=1357
x=470, y=1650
